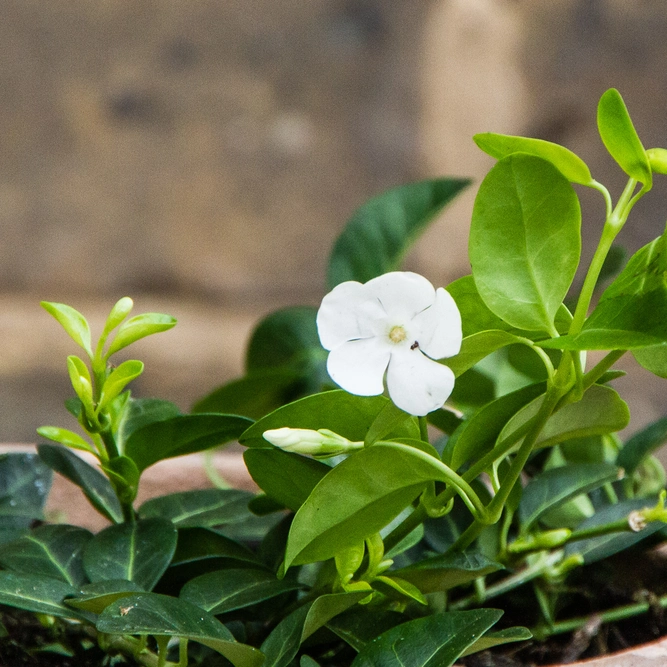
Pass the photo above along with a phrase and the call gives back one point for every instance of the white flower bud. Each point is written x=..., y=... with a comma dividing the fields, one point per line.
x=321, y=443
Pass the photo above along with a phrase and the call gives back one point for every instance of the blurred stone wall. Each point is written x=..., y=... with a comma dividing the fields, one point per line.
x=203, y=155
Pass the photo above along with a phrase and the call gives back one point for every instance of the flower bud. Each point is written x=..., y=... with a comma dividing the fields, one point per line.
x=322, y=443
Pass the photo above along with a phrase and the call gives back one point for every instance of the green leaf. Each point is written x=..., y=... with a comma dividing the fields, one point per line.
x=620, y=137
x=118, y=313
x=124, y=476
x=24, y=485
x=340, y=412
x=74, y=323
x=51, y=550
x=380, y=232
x=98, y=596
x=79, y=376
x=441, y=573
x=94, y=485
x=603, y=546
x=478, y=346
x=65, y=437
x=36, y=593
x=204, y=507
x=553, y=488
x=287, y=478
x=197, y=544
x=357, y=498
x=360, y=626
x=164, y=616
x=140, y=412
x=389, y=421
x=398, y=589
x=118, y=379
x=477, y=435
x=600, y=411
x=653, y=359
x=433, y=641
x=282, y=645
x=227, y=590
x=138, y=327
x=140, y=552
x=568, y=163
x=641, y=445
x=180, y=435
x=525, y=241
x=491, y=639
x=632, y=311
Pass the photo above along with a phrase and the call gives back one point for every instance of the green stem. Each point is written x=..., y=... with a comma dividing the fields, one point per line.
x=601, y=368
x=423, y=429
x=620, y=526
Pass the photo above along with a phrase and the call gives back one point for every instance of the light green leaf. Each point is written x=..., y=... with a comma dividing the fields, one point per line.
x=118, y=313
x=74, y=323
x=620, y=137
x=525, y=241
x=553, y=488
x=79, y=376
x=138, y=327
x=140, y=552
x=437, y=640
x=399, y=589
x=227, y=590
x=381, y=231
x=65, y=437
x=94, y=485
x=164, y=616
x=653, y=359
x=97, y=597
x=568, y=163
x=491, y=639
x=118, y=379
x=479, y=346
x=124, y=476
x=204, y=507
x=51, y=550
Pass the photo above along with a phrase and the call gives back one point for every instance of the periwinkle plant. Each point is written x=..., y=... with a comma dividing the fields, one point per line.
x=387, y=521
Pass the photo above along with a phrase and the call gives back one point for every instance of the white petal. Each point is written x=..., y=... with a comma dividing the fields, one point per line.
x=345, y=315
x=438, y=328
x=416, y=383
x=358, y=366
x=402, y=294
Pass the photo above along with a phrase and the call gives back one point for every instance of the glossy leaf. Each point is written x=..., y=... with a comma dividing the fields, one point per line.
x=24, y=485
x=138, y=327
x=552, y=488
x=185, y=434
x=74, y=323
x=653, y=359
x=282, y=645
x=568, y=163
x=357, y=498
x=641, y=445
x=632, y=311
x=118, y=379
x=477, y=435
x=440, y=573
x=119, y=312
x=620, y=137
x=287, y=478
x=227, y=590
x=65, y=437
x=376, y=238
x=197, y=544
x=140, y=552
x=396, y=588
x=388, y=421
x=340, y=412
x=36, y=593
x=165, y=616
x=600, y=411
x=525, y=241
x=478, y=346
x=433, y=641
x=94, y=485
x=140, y=412
x=51, y=550
x=204, y=507
x=359, y=625
x=96, y=597
x=498, y=638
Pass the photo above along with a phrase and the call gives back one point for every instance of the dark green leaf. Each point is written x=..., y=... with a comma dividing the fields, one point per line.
x=96, y=597
x=641, y=445
x=140, y=412
x=525, y=241
x=380, y=232
x=204, y=507
x=161, y=615
x=180, y=435
x=51, y=550
x=94, y=485
x=140, y=552
x=226, y=590
x=196, y=544
x=124, y=475
x=491, y=639
x=36, y=593
x=433, y=641
x=552, y=488
x=620, y=137
x=359, y=625
x=287, y=478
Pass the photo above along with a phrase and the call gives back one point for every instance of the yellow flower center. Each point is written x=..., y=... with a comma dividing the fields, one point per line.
x=397, y=334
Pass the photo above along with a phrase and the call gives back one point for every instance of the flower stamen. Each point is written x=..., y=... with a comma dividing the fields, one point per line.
x=397, y=334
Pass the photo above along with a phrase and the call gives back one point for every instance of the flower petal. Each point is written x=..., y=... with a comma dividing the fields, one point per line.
x=358, y=366
x=438, y=328
x=402, y=294
x=416, y=383
x=347, y=314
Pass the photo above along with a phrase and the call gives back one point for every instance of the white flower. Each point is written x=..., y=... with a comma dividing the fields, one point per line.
x=321, y=443
x=398, y=323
